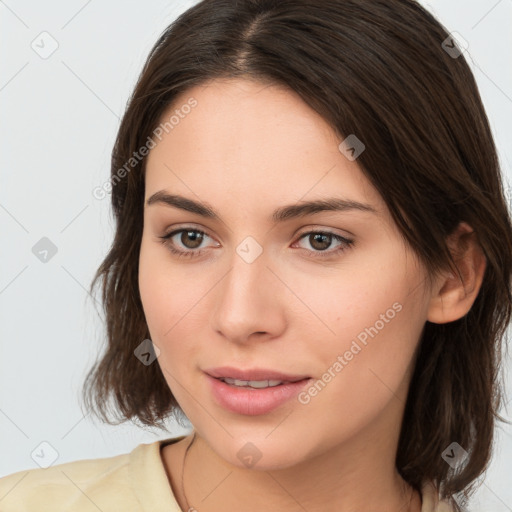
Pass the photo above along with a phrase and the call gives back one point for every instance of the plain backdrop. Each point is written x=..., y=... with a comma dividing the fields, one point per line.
x=66, y=71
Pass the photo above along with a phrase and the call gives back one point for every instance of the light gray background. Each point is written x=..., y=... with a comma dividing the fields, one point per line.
x=59, y=120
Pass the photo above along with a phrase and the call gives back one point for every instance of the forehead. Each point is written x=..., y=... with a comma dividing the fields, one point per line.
x=246, y=140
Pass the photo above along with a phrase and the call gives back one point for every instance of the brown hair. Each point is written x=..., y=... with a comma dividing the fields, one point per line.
x=377, y=69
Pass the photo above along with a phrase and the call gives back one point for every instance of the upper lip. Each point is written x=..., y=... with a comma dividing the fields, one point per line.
x=252, y=374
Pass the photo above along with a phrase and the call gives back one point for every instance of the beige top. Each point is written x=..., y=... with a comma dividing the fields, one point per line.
x=132, y=482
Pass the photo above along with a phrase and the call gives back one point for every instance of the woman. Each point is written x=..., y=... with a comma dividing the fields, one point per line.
x=312, y=263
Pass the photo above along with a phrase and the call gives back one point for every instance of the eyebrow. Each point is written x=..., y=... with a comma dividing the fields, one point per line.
x=302, y=209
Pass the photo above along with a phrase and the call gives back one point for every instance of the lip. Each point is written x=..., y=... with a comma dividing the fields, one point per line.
x=253, y=402
x=252, y=374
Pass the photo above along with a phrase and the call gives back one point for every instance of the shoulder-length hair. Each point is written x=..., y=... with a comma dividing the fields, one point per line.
x=389, y=72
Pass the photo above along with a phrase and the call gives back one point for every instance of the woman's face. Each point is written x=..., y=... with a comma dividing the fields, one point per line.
x=276, y=292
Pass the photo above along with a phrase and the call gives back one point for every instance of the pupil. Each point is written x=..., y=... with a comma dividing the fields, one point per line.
x=321, y=236
x=195, y=236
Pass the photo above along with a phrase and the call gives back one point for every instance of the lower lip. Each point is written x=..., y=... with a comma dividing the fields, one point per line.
x=253, y=402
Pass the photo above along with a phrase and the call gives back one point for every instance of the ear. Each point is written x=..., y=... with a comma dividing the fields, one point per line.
x=451, y=297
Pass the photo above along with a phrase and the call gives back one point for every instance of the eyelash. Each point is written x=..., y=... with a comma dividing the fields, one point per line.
x=346, y=244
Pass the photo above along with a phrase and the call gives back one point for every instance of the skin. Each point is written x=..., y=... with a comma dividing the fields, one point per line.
x=246, y=149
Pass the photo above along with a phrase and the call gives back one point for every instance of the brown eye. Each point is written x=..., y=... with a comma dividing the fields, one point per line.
x=195, y=237
x=185, y=242
x=320, y=241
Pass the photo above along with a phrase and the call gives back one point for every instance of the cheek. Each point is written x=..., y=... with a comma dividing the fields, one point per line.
x=364, y=368
x=160, y=301
x=166, y=299
x=367, y=326
x=173, y=299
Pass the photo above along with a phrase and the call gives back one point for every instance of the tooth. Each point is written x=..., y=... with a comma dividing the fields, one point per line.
x=229, y=380
x=259, y=384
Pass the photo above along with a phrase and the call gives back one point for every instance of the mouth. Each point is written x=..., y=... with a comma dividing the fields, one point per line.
x=256, y=378
x=257, y=384
x=254, y=396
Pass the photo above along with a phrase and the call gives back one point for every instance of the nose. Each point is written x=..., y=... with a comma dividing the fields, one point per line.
x=249, y=301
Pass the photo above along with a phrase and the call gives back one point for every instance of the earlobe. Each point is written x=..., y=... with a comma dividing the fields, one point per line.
x=452, y=298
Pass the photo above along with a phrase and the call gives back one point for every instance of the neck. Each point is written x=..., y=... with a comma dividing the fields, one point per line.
x=323, y=484
x=358, y=474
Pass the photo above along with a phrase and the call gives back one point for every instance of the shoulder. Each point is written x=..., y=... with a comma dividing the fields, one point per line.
x=74, y=484
x=110, y=483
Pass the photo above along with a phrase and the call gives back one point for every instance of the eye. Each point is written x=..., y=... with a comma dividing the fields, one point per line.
x=191, y=239
x=320, y=241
